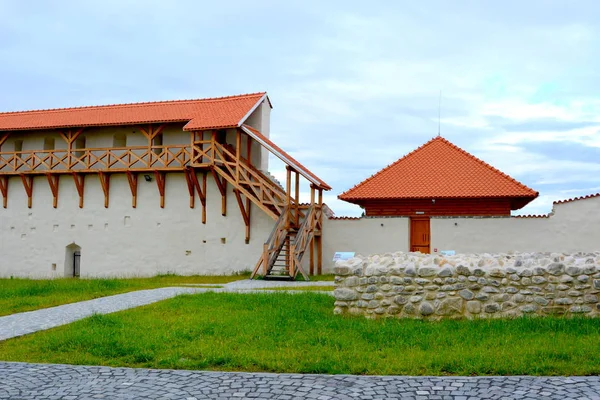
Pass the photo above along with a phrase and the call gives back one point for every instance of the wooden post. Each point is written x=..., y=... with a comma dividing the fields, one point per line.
x=80, y=185
x=105, y=183
x=160, y=183
x=190, y=184
x=297, y=221
x=319, y=239
x=3, y=139
x=288, y=191
x=204, y=196
x=311, y=246
x=133, y=184
x=28, y=185
x=248, y=212
x=265, y=259
x=292, y=270
x=4, y=190
x=53, y=182
x=222, y=186
x=238, y=150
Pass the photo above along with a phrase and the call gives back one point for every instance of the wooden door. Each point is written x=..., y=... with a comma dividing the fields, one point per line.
x=420, y=235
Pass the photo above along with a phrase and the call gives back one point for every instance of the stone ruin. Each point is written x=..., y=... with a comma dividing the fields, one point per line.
x=424, y=286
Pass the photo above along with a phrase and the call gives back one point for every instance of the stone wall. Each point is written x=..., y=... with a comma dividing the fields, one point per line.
x=415, y=285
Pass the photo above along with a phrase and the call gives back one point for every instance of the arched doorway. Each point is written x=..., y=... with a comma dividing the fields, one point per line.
x=72, y=261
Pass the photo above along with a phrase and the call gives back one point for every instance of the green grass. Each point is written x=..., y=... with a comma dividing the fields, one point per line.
x=285, y=332
x=301, y=288
x=19, y=295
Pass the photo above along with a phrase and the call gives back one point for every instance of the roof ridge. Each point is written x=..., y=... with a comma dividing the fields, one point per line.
x=487, y=165
x=452, y=145
x=388, y=166
x=135, y=104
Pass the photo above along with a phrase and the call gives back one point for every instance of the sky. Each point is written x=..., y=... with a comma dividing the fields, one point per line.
x=355, y=85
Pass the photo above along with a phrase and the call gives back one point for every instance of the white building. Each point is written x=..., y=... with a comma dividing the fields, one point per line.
x=147, y=188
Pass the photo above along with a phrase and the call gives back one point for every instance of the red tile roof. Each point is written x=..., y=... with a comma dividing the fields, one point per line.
x=438, y=169
x=211, y=113
x=278, y=151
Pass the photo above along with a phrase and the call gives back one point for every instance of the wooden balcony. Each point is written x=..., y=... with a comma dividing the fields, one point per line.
x=114, y=159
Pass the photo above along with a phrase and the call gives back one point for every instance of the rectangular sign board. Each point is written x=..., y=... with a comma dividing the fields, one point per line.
x=343, y=255
x=447, y=252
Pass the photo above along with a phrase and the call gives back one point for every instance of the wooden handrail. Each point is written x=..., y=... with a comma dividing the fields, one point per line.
x=94, y=159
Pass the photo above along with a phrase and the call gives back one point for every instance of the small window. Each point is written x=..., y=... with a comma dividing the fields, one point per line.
x=157, y=143
x=18, y=147
x=49, y=144
x=79, y=146
x=120, y=140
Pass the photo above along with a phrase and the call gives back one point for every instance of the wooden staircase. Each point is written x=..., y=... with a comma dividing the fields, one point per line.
x=297, y=226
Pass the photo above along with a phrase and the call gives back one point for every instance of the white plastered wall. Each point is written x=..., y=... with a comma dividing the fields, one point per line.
x=363, y=236
x=260, y=119
x=121, y=240
x=573, y=226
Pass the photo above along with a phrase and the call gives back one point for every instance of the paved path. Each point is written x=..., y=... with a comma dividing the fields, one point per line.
x=39, y=381
x=32, y=321
x=28, y=322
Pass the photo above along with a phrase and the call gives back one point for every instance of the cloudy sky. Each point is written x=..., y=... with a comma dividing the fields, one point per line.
x=354, y=84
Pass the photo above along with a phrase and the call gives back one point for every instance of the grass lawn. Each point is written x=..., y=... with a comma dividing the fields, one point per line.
x=301, y=288
x=18, y=295
x=285, y=332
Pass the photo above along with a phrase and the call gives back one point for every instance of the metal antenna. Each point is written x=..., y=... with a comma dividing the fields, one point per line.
x=440, y=114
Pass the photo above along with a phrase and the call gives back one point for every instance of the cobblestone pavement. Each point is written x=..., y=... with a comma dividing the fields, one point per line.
x=40, y=381
x=32, y=321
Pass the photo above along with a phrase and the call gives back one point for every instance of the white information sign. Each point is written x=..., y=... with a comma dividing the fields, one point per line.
x=343, y=255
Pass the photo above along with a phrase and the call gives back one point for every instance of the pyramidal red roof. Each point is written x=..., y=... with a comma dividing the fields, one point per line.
x=437, y=169
x=210, y=113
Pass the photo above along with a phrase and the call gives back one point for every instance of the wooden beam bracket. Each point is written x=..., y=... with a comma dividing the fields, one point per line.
x=160, y=183
x=132, y=178
x=4, y=190
x=105, y=183
x=53, y=180
x=80, y=185
x=245, y=210
x=28, y=185
x=222, y=186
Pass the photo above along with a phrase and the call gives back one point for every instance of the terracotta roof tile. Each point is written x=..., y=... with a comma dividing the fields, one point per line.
x=589, y=196
x=437, y=169
x=318, y=181
x=210, y=113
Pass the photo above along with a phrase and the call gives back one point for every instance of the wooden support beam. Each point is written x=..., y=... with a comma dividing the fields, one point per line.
x=204, y=197
x=28, y=185
x=238, y=150
x=249, y=213
x=319, y=239
x=53, y=180
x=132, y=178
x=319, y=255
x=160, y=183
x=4, y=190
x=311, y=246
x=297, y=221
x=245, y=210
x=3, y=138
x=105, y=183
x=80, y=185
x=190, y=184
x=201, y=191
x=222, y=186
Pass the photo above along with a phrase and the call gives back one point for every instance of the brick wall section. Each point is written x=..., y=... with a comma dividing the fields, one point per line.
x=414, y=285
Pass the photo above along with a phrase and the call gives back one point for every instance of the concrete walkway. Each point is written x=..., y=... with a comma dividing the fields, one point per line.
x=32, y=321
x=52, y=382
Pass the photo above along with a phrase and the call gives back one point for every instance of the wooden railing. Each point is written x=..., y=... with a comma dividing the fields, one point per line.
x=272, y=247
x=265, y=193
x=304, y=236
x=96, y=159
